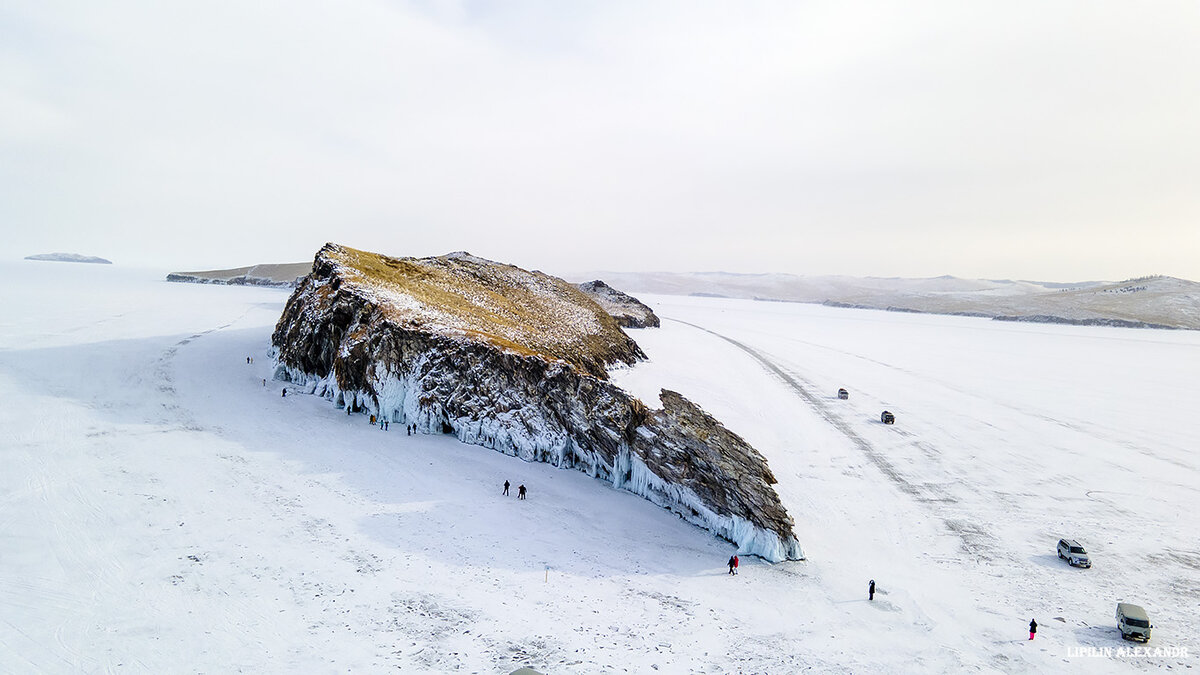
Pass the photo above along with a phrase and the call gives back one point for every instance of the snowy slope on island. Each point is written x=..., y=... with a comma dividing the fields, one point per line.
x=163, y=510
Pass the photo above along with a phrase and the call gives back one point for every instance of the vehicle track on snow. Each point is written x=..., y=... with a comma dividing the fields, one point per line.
x=804, y=390
x=430, y=624
x=974, y=539
x=1091, y=428
x=165, y=380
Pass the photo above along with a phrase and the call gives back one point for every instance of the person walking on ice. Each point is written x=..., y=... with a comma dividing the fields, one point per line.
x=505, y=488
x=871, y=590
x=733, y=564
x=1032, y=628
x=520, y=492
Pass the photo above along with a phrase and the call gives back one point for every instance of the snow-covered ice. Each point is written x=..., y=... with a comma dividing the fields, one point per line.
x=162, y=510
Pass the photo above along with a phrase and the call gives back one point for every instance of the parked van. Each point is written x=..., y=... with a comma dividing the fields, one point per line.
x=1133, y=622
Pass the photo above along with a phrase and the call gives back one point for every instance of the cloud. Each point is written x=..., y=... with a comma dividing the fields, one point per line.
x=763, y=136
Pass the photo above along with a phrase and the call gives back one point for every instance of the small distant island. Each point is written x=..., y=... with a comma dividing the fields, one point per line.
x=69, y=257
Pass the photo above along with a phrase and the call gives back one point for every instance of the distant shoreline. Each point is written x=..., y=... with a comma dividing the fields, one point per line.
x=276, y=275
x=1027, y=318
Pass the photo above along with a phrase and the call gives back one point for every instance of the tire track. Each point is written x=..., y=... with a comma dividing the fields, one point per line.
x=975, y=540
x=1091, y=428
x=804, y=390
x=165, y=380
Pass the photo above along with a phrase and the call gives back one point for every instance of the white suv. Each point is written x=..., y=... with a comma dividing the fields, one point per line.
x=1071, y=551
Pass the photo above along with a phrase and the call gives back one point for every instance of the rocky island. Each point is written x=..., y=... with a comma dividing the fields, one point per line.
x=626, y=309
x=517, y=361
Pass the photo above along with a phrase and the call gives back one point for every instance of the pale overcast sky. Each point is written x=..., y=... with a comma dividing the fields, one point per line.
x=1040, y=140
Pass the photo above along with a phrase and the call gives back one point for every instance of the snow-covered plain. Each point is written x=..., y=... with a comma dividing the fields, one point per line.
x=161, y=510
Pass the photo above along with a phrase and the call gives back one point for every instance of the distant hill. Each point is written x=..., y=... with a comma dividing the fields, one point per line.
x=1154, y=301
x=69, y=257
x=282, y=274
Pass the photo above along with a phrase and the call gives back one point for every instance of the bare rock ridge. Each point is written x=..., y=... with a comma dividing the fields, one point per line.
x=516, y=361
x=626, y=309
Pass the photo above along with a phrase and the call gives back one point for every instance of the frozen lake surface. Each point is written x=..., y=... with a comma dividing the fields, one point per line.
x=162, y=510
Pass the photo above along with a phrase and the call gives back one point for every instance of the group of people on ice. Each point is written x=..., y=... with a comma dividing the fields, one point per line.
x=520, y=490
x=383, y=423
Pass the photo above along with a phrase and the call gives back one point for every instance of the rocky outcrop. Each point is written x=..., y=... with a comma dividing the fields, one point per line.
x=626, y=309
x=516, y=361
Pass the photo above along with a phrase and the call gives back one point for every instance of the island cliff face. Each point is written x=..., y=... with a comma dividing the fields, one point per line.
x=517, y=361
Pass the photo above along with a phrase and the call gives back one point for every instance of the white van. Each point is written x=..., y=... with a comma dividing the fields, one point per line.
x=1133, y=622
